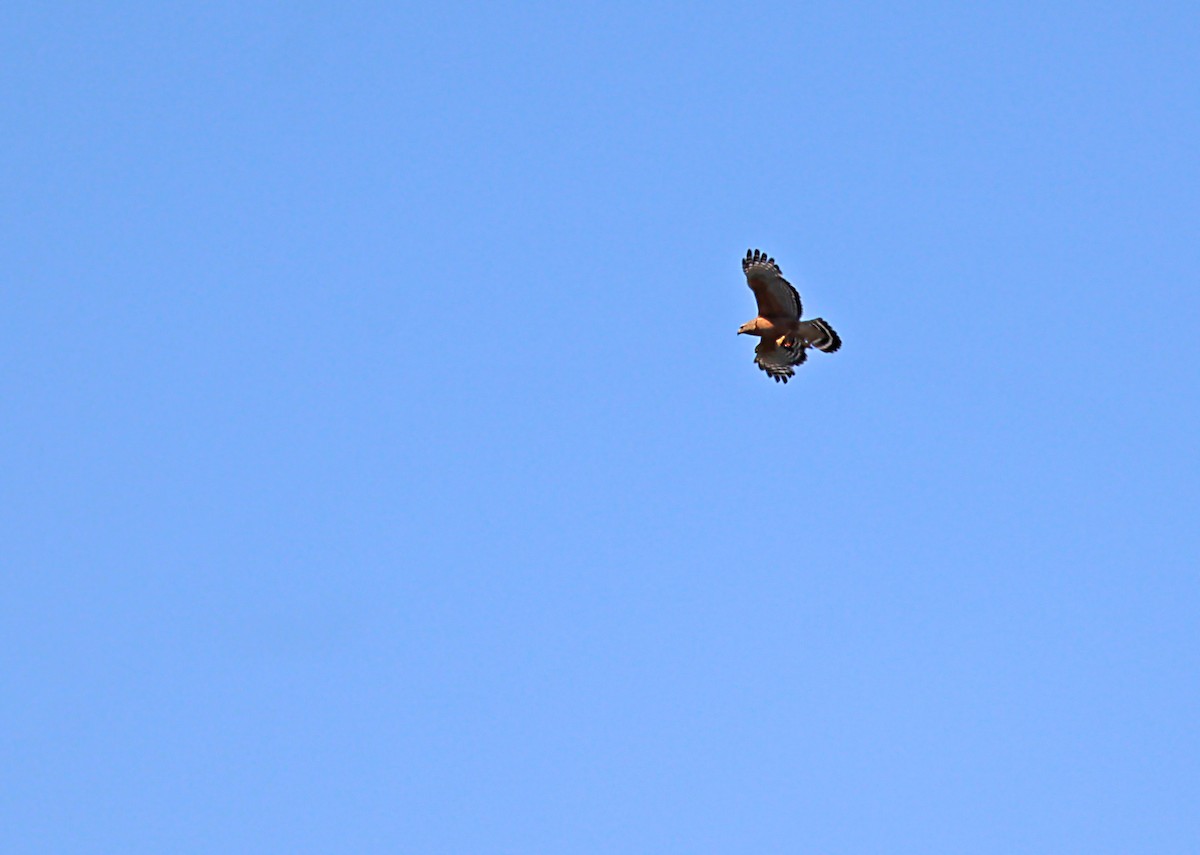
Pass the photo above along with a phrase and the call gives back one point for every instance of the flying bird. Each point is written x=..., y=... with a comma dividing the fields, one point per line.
x=785, y=337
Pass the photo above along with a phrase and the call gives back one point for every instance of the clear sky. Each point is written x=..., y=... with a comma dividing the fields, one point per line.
x=381, y=471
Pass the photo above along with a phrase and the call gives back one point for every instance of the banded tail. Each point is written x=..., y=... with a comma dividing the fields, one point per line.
x=819, y=334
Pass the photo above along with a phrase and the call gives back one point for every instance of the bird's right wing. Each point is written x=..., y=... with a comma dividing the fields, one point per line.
x=779, y=357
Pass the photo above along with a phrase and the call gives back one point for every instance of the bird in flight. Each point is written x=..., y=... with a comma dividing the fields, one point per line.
x=785, y=337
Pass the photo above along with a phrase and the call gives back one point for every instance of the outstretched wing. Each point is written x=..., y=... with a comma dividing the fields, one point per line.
x=777, y=299
x=778, y=357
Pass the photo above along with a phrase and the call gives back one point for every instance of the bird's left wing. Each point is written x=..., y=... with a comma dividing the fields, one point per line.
x=776, y=297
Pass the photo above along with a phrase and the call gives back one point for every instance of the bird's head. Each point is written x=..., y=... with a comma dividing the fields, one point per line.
x=748, y=328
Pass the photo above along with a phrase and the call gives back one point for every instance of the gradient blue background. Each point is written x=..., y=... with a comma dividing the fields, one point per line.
x=381, y=471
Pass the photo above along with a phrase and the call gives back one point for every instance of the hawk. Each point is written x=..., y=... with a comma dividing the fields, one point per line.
x=785, y=337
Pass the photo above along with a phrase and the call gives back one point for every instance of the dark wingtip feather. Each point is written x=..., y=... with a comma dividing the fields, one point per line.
x=757, y=256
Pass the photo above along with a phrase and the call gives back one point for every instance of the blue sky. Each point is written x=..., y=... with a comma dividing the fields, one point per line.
x=382, y=472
